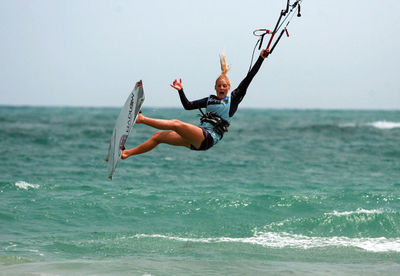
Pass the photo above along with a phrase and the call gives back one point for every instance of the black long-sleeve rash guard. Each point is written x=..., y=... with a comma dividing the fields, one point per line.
x=237, y=95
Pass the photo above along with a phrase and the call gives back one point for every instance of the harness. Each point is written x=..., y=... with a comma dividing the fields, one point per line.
x=220, y=125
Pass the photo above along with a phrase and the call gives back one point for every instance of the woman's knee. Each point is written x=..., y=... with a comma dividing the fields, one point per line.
x=159, y=136
x=176, y=124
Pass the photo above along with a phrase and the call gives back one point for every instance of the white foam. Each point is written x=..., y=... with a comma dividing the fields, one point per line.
x=376, y=124
x=359, y=211
x=25, y=185
x=385, y=124
x=281, y=240
x=286, y=240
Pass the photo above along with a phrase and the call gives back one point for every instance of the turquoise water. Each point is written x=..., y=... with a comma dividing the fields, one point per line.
x=286, y=192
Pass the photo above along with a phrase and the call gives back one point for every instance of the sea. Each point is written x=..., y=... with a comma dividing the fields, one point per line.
x=286, y=192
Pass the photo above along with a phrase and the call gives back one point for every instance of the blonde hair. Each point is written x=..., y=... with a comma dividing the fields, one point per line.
x=224, y=69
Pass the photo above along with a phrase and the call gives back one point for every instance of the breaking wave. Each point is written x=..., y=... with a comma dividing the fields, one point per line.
x=287, y=240
x=25, y=185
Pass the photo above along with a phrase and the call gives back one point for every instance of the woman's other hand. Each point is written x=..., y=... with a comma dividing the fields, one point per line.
x=177, y=85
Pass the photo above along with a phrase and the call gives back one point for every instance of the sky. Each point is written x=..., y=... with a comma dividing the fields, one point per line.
x=341, y=54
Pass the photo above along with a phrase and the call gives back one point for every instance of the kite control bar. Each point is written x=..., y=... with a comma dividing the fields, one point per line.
x=286, y=15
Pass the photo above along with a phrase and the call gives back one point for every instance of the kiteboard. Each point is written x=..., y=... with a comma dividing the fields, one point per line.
x=123, y=126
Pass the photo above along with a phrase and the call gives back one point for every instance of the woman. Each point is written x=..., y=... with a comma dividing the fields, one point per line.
x=220, y=109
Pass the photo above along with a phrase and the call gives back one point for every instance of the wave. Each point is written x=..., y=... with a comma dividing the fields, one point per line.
x=355, y=223
x=25, y=185
x=376, y=124
x=287, y=240
x=384, y=125
x=357, y=212
x=374, y=230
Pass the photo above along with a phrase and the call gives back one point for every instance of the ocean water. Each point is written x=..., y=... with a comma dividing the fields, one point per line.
x=286, y=192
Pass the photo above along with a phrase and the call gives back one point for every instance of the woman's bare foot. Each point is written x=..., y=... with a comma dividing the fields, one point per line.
x=139, y=118
x=124, y=154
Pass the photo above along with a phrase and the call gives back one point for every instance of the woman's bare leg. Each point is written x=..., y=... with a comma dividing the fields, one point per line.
x=191, y=133
x=178, y=134
x=168, y=137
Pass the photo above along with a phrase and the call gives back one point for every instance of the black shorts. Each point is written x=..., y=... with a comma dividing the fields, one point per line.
x=207, y=143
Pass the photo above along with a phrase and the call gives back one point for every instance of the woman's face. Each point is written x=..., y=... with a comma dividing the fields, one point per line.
x=222, y=87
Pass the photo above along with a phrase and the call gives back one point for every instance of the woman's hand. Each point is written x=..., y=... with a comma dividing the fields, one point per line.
x=177, y=85
x=264, y=53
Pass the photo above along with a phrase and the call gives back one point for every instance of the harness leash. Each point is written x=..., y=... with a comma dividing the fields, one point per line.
x=287, y=15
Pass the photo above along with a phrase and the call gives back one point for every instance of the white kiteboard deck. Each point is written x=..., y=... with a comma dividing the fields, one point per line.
x=123, y=125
